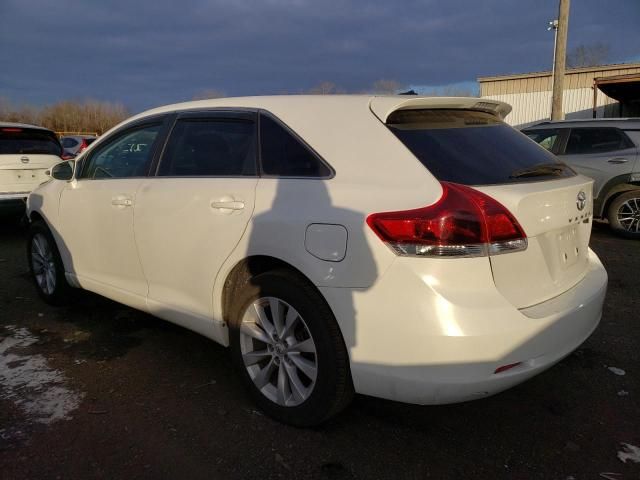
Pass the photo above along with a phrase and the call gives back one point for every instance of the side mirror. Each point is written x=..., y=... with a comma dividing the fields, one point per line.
x=63, y=170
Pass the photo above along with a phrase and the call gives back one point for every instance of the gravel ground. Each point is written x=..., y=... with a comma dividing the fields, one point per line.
x=98, y=390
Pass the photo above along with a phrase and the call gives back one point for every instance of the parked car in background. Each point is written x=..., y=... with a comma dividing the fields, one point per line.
x=76, y=144
x=415, y=249
x=26, y=153
x=608, y=151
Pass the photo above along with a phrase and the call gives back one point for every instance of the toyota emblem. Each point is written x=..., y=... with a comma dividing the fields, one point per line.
x=581, y=201
x=24, y=159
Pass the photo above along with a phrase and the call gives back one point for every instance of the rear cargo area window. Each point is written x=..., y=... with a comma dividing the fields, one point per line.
x=24, y=141
x=473, y=148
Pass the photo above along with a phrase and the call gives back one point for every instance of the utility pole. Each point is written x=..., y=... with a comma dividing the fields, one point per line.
x=560, y=54
x=553, y=25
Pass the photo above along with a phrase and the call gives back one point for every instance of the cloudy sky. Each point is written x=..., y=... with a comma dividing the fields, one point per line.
x=145, y=53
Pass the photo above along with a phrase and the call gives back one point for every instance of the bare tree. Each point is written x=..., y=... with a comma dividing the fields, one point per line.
x=209, y=93
x=589, y=55
x=89, y=116
x=450, y=91
x=386, y=86
x=325, y=88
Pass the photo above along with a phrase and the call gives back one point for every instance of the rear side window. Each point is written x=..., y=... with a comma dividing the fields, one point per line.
x=26, y=141
x=596, y=140
x=473, y=148
x=210, y=147
x=545, y=138
x=283, y=155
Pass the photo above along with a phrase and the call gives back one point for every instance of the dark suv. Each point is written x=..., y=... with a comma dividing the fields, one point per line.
x=606, y=150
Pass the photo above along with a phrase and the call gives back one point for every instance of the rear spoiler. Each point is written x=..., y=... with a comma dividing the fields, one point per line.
x=382, y=107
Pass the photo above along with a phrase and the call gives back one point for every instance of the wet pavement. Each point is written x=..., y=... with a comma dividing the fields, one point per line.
x=98, y=390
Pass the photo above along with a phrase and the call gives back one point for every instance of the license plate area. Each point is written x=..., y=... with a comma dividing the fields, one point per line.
x=26, y=176
x=568, y=247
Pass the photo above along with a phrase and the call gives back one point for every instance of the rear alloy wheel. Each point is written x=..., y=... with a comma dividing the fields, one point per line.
x=278, y=351
x=46, y=265
x=624, y=214
x=288, y=349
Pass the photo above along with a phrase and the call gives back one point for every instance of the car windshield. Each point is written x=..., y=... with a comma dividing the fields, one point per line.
x=28, y=141
x=473, y=148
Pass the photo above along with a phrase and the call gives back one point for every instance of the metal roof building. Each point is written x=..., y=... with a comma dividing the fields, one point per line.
x=602, y=91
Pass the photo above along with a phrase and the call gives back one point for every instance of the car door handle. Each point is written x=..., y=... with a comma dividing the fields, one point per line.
x=618, y=160
x=121, y=201
x=228, y=205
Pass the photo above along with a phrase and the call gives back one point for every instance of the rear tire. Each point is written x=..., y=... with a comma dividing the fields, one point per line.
x=624, y=214
x=288, y=349
x=45, y=265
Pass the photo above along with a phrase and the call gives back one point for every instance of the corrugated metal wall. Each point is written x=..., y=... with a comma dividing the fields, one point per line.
x=532, y=107
x=530, y=94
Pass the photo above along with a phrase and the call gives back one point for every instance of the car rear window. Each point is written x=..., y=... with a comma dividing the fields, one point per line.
x=473, y=148
x=69, y=142
x=28, y=141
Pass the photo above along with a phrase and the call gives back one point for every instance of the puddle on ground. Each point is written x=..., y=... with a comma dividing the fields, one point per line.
x=27, y=380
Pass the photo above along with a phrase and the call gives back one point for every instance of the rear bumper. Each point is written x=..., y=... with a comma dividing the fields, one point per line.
x=425, y=344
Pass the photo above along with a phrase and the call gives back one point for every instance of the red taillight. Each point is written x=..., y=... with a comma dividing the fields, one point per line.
x=463, y=223
x=509, y=366
x=11, y=130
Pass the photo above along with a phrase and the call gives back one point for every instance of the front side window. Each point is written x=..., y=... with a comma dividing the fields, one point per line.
x=595, y=140
x=128, y=155
x=545, y=138
x=210, y=147
x=283, y=155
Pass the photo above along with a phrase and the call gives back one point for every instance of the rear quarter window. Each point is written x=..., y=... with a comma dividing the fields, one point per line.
x=284, y=155
x=473, y=148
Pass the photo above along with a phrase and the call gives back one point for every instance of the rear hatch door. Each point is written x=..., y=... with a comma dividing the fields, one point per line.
x=25, y=155
x=552, y=203
x=556, y=216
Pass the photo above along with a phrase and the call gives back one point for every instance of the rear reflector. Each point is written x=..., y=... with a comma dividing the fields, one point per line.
x=509, y=366
x=11, y=130
x=463, y=223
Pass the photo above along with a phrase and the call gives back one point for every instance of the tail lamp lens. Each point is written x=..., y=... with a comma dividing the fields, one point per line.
x=463, y=223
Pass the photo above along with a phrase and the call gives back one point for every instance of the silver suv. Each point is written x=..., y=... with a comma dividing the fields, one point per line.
x=606, y=150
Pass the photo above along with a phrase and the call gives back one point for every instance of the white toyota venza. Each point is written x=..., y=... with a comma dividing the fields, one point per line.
x=410, y=248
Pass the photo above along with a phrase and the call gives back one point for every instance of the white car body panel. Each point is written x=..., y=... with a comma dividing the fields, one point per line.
x=18, y=176
x=558, y=235
x=420, y=330
x=448, y=328
x=179, y=268
x=96, y=222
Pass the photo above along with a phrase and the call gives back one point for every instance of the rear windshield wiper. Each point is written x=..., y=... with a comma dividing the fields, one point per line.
x=541, y=170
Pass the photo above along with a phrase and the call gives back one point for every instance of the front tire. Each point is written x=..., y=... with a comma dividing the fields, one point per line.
x=288, y=349
x=624, y=214
x=45, y=265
